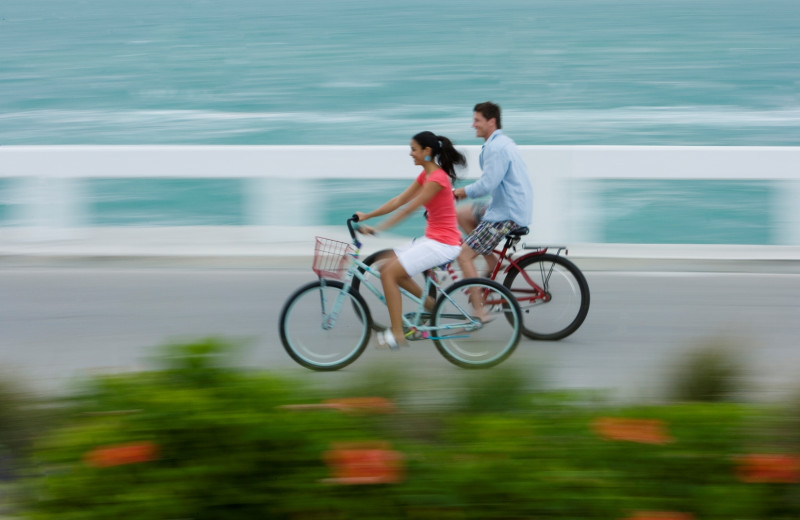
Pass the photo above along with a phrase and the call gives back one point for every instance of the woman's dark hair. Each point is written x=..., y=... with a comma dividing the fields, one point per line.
x=442, y=148
x=489, y=110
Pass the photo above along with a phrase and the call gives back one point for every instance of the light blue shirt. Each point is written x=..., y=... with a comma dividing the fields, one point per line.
x=505, y=176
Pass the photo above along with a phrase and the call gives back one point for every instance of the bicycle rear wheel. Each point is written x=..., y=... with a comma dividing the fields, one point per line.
x=462, y=339
x=380, y=318
x=552, y=293
x=316, y=339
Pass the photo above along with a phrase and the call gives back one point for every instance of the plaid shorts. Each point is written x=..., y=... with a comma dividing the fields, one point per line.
x=488, y=234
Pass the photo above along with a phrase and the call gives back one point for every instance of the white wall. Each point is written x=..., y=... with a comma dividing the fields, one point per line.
x=48, y=200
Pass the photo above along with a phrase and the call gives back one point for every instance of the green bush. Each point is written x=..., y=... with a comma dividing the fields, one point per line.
x=503, y=389
x=22, y=417
x=225, y=448
x=713, y=372
x=222, y=444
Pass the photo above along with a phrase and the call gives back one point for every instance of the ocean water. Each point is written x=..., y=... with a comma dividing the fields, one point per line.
x=355, y=72
x=633, y=72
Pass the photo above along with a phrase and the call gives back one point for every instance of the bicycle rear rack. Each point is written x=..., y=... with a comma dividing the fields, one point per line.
x=544, y=249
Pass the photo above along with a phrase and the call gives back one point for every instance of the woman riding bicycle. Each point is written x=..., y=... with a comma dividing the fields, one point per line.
x=442, y=241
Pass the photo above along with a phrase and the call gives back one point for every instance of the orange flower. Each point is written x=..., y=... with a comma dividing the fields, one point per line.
x=119, y=454
x=362, y=404
x=769, y=468
x=364, y=463
x=349, y=405
x=647, y=431
x=660, y=515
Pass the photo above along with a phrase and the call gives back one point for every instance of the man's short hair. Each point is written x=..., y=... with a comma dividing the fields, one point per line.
x=489, y=110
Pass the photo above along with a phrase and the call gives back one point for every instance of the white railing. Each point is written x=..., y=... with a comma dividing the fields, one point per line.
x=44, y=196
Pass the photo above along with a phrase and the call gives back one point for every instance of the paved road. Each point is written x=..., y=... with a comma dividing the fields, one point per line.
x=60, y=323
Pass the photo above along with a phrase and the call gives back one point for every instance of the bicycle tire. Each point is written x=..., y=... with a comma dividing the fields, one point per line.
x=313, y=345
x=568, y=296
x=490, y=343
x=381, y=321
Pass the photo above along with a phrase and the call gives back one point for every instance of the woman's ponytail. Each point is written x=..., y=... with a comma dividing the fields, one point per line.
x=449, y=157
x=442, y=148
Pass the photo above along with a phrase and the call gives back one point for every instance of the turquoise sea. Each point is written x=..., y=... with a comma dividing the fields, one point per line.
x=352, y=72
x=655, y=72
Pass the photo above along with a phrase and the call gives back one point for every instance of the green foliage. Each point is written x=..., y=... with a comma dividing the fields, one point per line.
x=503, y=389
x=229, y=448
x=14, y=429
x=22, y=416
x=225, y=448
x=712, y=372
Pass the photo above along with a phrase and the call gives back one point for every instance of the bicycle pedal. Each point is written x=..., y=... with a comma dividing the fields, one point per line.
x=416, y=335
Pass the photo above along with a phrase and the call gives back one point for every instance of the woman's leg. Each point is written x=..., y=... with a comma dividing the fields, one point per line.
x=393, y=276
x=406, y=282
x=413, y=287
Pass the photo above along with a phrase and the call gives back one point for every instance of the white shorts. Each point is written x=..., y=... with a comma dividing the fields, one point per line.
x=423, y=253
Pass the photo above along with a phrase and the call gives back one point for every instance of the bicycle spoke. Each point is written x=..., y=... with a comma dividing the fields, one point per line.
x=468, y=342
x=324, y=328
x=552, y=293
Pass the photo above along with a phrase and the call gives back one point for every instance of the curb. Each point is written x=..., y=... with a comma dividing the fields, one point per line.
x=303, y=262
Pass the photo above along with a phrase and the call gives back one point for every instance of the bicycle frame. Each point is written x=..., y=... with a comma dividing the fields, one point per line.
x=506, y=262
x=359, y=269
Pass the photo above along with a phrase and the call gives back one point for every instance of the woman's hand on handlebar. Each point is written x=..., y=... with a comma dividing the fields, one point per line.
x=360, y=216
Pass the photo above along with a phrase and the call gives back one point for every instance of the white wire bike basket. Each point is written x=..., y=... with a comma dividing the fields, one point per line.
x=331, y=258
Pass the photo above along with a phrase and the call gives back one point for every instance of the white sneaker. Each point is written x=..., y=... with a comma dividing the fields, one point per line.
x=386, y=339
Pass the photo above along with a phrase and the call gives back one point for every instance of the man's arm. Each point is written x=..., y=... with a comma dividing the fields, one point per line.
x=495, y=166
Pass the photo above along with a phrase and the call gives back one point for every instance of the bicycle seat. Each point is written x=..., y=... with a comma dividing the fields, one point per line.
x=522, y=231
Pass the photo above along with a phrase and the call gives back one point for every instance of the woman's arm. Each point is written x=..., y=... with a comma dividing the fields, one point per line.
x=425, y=194
x=393, y=203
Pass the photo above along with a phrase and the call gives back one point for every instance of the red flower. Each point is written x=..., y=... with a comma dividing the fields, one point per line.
x=364, y=463
x=119, y=454
x=660, y=515
x=647, y=431
x=766, y=468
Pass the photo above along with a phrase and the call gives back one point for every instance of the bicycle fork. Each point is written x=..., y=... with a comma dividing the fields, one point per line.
x=329, y=318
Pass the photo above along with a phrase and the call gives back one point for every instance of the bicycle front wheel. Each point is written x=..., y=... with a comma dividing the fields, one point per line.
x=466, y=341
x=552, y=293
x=321, y=331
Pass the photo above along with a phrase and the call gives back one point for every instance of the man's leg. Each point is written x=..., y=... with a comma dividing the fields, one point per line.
x=469, y=216
x=466, y=260
x=491, y=263
x=467, y=220
x=481, y=242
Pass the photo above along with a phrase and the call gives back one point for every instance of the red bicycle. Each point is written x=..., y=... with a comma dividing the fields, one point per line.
x=552, y=292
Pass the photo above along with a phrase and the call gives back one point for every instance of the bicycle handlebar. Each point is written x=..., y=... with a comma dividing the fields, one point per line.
x=352, y=229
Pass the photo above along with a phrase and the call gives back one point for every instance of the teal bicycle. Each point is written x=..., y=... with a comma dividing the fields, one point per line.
x=327, y=324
